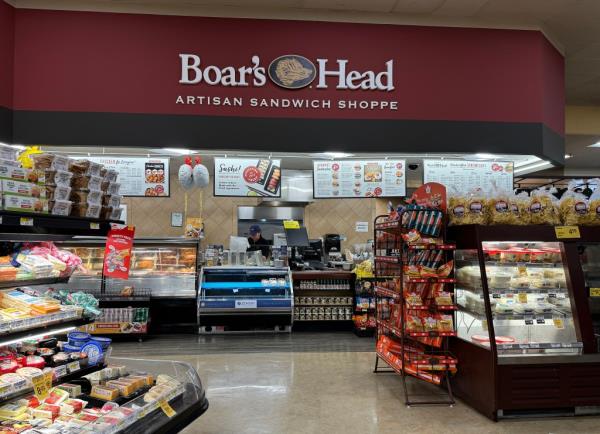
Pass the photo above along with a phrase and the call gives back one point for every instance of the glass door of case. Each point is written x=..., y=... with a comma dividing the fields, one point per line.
x=589, y=255
x=530, y=302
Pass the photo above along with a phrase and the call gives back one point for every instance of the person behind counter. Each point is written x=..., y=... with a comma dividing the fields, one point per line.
x=257, y=242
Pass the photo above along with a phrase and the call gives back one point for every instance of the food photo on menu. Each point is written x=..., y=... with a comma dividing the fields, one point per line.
x=263, y=179
x=155, y=174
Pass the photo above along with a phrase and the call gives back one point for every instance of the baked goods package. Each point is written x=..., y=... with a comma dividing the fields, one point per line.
x=593, y=217
x=573, y=206
x=85, y=168
x=519, y=206
x=543, y=208
x=499, y=208
x=469, y=209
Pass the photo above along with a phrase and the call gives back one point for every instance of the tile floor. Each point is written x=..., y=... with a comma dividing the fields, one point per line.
x=334, y=391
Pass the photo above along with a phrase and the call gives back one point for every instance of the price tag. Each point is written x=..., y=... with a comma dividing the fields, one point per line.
x=534, y=345
x=166, y=408
x=94, y=226
x=594, y=292
x=559, y=323
x=522, y=297
x=551, y=295
x=42, y=384
x=555, y=345
x=5, y=389
x=540, y=320
x=484, y=325
x=524, y=346
x=291, y=224
x=494, y=296
x=60, y=371
x=73, y=366
x=528, y=322
x=26, y=221
x=567, y=232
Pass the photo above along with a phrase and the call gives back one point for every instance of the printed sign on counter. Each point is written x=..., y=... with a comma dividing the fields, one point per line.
x=117, y=254
x=352, y=178
x=247, y=177
x=461, y=176
x=147, y=177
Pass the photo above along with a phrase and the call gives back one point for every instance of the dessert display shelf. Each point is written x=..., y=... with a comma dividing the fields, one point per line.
x=524, y=320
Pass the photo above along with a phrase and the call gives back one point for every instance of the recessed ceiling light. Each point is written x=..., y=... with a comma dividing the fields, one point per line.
x=595, y=145
x=338, y=154
x=179, y=151
x=484, y=156
x=567, y=156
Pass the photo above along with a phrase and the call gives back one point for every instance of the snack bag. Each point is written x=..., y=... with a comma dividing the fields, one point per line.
x=542, y=208
x=573, y=206
x=593, y=217
x=414, y=323
x=519, y=207
x=446, y=269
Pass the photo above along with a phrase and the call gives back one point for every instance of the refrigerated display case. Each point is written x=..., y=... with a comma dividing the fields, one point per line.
x=234, y=299
x=589, y=253
x=524, y=335
x=163, y=278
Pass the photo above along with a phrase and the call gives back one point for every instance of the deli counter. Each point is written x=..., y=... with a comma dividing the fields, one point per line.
x=164, y=272
x=234, y=299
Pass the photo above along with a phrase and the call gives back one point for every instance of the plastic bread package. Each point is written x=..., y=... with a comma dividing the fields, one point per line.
x=573, y=206
x=593, y=217
x=543, y=209
x=467, y=209
x=519, y=206
x=499, y=208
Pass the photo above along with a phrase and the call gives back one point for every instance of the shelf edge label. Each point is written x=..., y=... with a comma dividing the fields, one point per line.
x=565, y=232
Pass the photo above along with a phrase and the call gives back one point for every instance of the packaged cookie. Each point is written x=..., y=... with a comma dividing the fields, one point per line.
x=89, y=196
x=58, y=192
x=84, y=182
x=60, y=207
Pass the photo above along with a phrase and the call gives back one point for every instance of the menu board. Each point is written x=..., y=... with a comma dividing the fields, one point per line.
x=353, y=178
x=461, y=176
x=247, y=177
x=139, y=176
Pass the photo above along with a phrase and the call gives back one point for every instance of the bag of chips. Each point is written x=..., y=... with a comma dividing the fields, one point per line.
x=467, y=209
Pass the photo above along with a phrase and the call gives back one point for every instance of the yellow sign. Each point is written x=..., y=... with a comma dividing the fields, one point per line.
x=522, y=297
x=567, y=232
x=291, y=224
x=42, y=384
x=559, y=323
x=594, y=292
x=166, y=408
x=95, y=226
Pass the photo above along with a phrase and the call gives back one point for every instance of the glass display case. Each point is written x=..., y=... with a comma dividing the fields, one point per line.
x=245, y=298
x=525, y=341
x=589, y=254
x=528, y=296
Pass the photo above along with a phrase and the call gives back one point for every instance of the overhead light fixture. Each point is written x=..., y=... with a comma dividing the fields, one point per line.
x=179, y=151
x=38, y=336
x=567, y=156
x=331, y=154
x=594, y=145
x=484, y=156
x=534, y=167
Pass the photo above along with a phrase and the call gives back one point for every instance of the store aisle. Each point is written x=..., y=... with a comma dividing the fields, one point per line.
x=297, y=392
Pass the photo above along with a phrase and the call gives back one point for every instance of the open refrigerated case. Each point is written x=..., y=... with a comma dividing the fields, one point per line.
x=237, y=299
x=54, y=378
x=159, y=295
x=524, y=330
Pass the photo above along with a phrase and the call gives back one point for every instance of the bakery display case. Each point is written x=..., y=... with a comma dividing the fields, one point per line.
x=234, y=299
x=163, y=279
x=524, y=329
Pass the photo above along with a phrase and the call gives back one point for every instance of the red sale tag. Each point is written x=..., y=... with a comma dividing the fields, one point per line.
x=117, y=254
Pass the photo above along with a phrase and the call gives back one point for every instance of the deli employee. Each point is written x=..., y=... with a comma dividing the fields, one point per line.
x=257, y=242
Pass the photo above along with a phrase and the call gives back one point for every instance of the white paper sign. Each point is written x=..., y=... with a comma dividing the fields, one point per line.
x=462, y=175
x=247, y=177
x=139, y=176
x=352, y=178
x=245, y=304
x=362, y=226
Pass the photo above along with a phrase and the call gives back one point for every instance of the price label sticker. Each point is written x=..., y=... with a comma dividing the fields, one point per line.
x=556, y=345
x=494, y=296
x=26, y=221
x=95, y=226
x=60, y=371
x=540, y=320
x=528, y=322
x=73, y=366
x=42, y=384
x=524, y=346
x=522, y=297
x=484, y=325
x=567, y=232
x=558, y=322
x=166, y=408
x=594, y=292
x=5, y=389
x=534, y=345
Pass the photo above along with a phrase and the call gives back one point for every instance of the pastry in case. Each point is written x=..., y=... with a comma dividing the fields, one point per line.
x=13, y=202
x=23, y=188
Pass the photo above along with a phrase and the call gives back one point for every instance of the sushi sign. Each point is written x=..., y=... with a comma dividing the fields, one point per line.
x=247, y=177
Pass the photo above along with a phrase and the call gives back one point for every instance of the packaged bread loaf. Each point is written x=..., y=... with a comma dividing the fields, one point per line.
x=85, y=167
x=42, y=161
x=519, y=206
x=498, y=207
x=467, y=209
x=60, y=207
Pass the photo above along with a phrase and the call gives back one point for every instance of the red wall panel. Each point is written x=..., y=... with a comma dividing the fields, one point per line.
x=7, y=27
x=124, y=63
